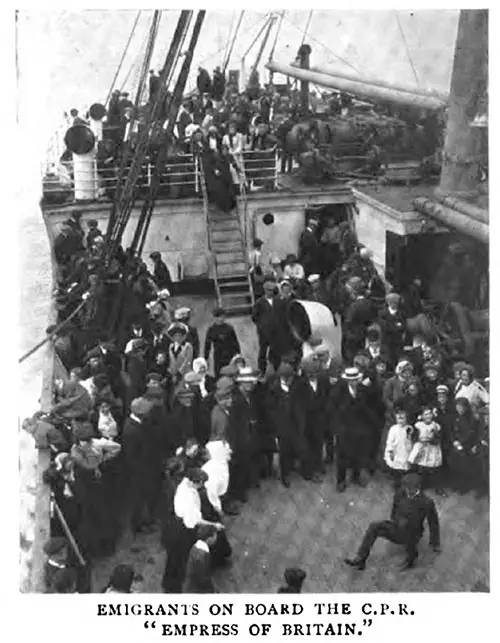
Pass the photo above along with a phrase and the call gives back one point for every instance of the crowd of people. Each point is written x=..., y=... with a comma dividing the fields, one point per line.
x=145, y=437
x=237, y=134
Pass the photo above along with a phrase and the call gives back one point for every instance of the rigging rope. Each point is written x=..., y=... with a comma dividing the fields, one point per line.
x=124, y=200
x=261, y=31
x=36, y=347
x=123, y=56
x=230, y=51
x=228, y=41
x=346, y=62
x=271, y=54
x=134, y=69
x=172, y=111
x=307, y=27
x=146, y=63
x=407, y=48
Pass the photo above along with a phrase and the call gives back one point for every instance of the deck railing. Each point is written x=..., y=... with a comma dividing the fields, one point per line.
x=179, y=178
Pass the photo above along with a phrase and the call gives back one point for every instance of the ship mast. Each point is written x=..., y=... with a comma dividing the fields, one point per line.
x=465, y=146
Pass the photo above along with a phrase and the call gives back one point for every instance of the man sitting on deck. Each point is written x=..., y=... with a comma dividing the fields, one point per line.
x=410, y=509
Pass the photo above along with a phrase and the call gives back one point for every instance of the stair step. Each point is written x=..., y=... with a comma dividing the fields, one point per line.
x=241, y=299
x=231, y=270
x=230, y=257
x=226, y=246
x=233, y=286
x=237, y=311
x=237, y=281
x=225, y=225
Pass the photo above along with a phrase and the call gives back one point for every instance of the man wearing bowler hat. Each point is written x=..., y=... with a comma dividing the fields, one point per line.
x=264, y=316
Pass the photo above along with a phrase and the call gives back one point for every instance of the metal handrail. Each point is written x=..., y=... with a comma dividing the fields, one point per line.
x=105, y=178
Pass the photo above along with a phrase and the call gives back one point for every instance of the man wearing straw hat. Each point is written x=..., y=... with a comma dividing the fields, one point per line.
x=243, y=434
x=356, y=423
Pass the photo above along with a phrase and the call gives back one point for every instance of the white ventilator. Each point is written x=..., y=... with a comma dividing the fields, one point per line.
x=85, y=176
x=312, y=321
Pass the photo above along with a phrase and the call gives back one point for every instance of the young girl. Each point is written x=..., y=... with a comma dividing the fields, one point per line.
x=398, y=447
x=426, y=456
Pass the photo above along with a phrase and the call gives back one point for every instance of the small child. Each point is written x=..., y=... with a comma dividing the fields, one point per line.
x=398, y=447
x=426, y=455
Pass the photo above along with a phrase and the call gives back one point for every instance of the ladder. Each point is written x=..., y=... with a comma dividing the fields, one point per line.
x=226, y=241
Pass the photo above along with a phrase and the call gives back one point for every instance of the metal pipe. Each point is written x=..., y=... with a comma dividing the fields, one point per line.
x=363, y=89
x=381, y=83
x=479, y=214
x=453, y=218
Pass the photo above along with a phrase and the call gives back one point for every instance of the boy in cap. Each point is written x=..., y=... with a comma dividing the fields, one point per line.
x=294, y=579
x=222, y=337
x=410, y=509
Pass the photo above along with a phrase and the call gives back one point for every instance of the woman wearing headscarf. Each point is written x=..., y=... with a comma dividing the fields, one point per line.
x=394, y=389
x=465, y=434
x=204, y=397
x=393, y=322
x=206, y=383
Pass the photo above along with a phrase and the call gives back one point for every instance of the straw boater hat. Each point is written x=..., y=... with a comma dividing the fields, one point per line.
x=442, y=388
x=352, y=374
x=177, y=328
x=313, y=279
x=247, y=374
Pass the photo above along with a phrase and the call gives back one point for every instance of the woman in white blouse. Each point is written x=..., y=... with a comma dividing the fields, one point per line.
x=187, y=515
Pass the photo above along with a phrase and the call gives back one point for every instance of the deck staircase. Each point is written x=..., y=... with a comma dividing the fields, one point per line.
x=226, y=241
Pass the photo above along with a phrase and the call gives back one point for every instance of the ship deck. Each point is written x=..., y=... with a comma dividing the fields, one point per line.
x=313, y=526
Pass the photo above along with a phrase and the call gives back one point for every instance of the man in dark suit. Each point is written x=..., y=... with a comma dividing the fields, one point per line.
x=264, y=317
x=224, y=340
x=285, y=414
x=410, y=509
x=198, y=578
x=309, y=248
x=358, y=316
x=356, y=422
x=314, y=395
x=161, y=273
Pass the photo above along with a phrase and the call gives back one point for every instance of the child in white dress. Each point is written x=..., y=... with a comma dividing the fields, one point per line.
x=426, y=456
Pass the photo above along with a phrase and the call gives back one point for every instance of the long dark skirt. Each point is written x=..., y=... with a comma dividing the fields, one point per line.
x=178, y=540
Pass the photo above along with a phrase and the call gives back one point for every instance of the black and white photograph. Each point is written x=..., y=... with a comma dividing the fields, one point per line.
x=254, y=293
